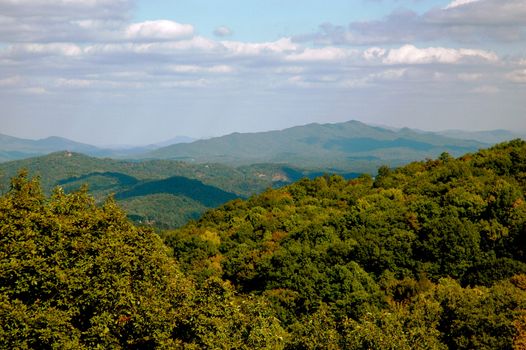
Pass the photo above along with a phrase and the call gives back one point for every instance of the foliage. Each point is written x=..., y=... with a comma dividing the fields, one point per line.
x=361, y=256
x=426, y=256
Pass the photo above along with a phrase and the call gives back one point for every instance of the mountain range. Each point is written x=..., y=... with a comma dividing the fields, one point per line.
x=167, y=186
x=349, y=146
x=14, y=148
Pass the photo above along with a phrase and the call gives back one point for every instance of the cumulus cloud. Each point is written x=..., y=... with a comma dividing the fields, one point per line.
x=158, y=30
x=188, y=68
x=247, y=49
x=96, y=51
x=457, y=3
x=50, y=49
x=316, y=55
x=223, y=31
x=465, y=21
x=409, y=54
x=61, y=20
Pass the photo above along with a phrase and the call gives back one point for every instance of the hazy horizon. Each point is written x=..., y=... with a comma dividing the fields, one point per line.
x=187, y=139
x=124, y=72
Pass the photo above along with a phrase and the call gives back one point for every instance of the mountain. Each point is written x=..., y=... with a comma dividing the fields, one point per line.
x=12, y=148
x=349, y=146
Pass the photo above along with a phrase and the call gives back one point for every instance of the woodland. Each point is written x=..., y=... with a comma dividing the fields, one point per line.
x=430, y=255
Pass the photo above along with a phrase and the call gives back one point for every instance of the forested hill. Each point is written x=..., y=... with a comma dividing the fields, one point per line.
x=164, y=193
x=351, y=146
x=431, y=255
x=427, y=256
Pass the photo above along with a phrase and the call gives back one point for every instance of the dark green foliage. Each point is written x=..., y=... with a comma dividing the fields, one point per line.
x=208, y=196
x=427, y=256
x=359, y=257
x=75, y=275
x=140, y=186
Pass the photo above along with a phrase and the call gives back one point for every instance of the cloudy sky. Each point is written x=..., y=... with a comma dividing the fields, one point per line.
x=137, y=72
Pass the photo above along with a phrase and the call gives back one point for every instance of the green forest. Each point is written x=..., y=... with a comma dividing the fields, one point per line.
x=430, y=255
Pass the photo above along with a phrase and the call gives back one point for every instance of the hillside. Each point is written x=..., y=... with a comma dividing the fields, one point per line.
x=351, y=146
x=149, y=190
x=427, y=256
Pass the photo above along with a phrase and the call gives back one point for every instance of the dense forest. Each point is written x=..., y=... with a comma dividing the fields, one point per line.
x=162, y=193
x=430, y=255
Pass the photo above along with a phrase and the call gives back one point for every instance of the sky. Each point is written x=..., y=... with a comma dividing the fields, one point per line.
x=110, y=72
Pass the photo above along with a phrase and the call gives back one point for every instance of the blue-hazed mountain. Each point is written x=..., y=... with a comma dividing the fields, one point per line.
x=12, y=148
x=349, y=146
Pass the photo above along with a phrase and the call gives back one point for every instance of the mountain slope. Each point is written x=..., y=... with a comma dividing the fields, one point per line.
x=12, y=148
x=350, y=146
x=152, y=191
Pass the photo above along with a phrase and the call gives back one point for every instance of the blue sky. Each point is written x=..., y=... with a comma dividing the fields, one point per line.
x=270, y=19
x=138, y=72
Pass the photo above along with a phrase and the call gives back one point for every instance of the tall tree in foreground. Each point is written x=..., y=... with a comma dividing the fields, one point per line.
x=74, y=275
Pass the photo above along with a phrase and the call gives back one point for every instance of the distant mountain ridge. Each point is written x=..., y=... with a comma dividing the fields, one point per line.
x=14, y=148
x=341, y=147
x=349, y=146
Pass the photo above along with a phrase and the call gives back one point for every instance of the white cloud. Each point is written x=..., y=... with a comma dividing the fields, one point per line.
x=199, y=69
x=159, y=30
x=62, y=20
x=409, y=54
x=457, y=3
x=463, y=21
x=316, y=55
x=247, y=49
x=60, y=49
x=223, y=31
x=374, y=53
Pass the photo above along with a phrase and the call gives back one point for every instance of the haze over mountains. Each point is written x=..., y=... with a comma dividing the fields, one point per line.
x=13, y=148
x=350, y=146
x=167, y=186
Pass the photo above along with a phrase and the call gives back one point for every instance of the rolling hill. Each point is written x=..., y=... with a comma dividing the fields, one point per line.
x=350, y=146
x=165, y=193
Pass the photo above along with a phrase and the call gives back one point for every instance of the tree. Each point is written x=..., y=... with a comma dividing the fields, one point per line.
x=75, y=275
